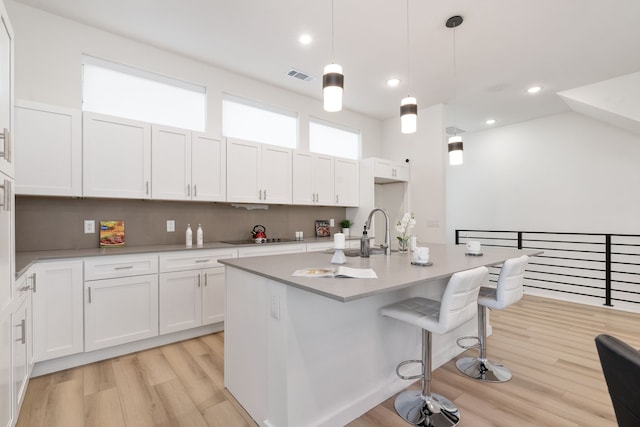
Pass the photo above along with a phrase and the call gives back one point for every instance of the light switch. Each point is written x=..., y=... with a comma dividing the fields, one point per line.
x=89, y=226
x=332, y=223
x=171, y=226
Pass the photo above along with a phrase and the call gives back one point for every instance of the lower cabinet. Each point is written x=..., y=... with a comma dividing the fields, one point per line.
x=120, y=310
x=58, y=309
x=21, y=349
x=189, y=299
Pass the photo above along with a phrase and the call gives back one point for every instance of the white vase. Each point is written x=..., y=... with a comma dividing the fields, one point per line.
x=346, y=232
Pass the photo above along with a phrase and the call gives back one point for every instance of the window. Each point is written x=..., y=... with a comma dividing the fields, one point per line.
x=336, y=141
x=255, y=122
x=118, y=90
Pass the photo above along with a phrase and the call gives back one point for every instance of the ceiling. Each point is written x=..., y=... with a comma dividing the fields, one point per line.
x=502, y=48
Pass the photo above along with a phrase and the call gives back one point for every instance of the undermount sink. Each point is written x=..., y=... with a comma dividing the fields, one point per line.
x=356, y=252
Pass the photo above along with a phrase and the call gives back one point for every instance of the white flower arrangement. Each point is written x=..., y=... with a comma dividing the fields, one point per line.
x=404, y=227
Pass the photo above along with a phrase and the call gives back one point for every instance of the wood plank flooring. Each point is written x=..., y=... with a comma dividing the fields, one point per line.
x=547, y=344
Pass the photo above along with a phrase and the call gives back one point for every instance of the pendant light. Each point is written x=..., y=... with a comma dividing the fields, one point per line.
x=408, y=105
x=332, y=80
x=455, y=142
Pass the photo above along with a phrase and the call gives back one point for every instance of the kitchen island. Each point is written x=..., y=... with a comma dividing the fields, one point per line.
x=310, y=351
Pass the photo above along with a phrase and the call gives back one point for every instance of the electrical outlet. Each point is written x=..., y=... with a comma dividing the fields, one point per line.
x=332, y=223
x=171, y=226
x=89, y=226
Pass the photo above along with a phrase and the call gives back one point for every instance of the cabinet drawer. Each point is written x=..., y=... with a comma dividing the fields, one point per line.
x=180, y=261
x=262, y=250
x=109, y=267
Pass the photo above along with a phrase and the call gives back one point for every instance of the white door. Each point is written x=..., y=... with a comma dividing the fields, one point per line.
x=170, y=163
x=49, y=156
x=116, y=157
x=213, y=295
x=58, y=309
x=302, y=190
x=276, y=174
x=323, y=179
x=243, y=171
x=346, y=182
x=208, y=168
x=180, y=301
x=6, y=93
x=118, y=311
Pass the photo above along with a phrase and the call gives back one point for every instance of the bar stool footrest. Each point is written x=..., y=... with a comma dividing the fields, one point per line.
x=410, y=377
x=476, y=344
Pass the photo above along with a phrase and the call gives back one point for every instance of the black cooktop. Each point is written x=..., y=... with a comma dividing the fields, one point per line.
x=253, y=242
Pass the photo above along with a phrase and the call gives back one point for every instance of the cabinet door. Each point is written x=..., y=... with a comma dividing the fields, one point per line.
x=6, y=94
x=49, y=156
x=116, y=157
x=383, y=169
x=213, y=295
x=6, y=240
x=21, y=322
x=346, y=182
x=208, y=168
x=118, y=311
x=323, y=179
x=180, y=300
x=276, y=174
x=171, y=163
x=303, y=191
x=6, y=384
x=58, y=311
x=243, y=171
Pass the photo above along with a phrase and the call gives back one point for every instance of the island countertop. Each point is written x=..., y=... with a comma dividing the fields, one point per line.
x=394, y=271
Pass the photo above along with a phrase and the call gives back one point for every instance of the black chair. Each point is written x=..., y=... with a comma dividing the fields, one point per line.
x=621, y=367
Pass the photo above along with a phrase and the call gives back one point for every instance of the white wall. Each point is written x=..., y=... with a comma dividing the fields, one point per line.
x=426, y=151
x=565, y=172
x=48, y=53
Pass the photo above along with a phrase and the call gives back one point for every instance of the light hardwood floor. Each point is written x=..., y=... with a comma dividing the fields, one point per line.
x=548, y=345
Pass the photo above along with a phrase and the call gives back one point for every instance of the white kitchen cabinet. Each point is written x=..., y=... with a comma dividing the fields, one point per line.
x=6, y=94
x=385, y=171
x=49, y=156
x=6, y=369
x=191, y=289
x=258, y=173
x=120, y=310
x=116, y=157
x=21, y=344
x=347, y=185
x=7, y=245
x=58, y=309
x=313, y=179
x=187, y=165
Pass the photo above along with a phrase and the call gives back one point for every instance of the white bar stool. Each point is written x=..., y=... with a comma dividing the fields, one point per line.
x=458, y=305
x=508, y=291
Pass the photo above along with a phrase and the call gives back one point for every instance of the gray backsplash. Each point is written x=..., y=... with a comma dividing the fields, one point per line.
x=50, y=223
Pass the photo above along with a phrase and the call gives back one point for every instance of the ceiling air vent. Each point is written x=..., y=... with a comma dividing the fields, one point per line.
x=454, y=131
x=297, y=74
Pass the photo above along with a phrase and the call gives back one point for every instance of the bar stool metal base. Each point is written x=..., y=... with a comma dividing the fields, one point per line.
x=438, y=411
x=483, y=370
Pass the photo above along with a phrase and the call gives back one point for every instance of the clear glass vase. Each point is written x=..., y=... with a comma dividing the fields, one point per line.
x=403, y=244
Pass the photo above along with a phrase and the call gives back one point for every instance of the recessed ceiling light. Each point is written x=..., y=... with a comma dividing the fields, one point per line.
x=305, y=39
x=490, y=121
x=534, y=89
x=393, y=82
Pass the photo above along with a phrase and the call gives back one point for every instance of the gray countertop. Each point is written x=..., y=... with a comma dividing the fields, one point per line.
x=394, y=271
x=25, y=259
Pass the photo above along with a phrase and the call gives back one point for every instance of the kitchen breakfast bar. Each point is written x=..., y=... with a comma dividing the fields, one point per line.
x=311, y=351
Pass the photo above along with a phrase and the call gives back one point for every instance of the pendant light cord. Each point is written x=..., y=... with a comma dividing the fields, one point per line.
x=408, y=50
x=332, y=38
x=455, y=81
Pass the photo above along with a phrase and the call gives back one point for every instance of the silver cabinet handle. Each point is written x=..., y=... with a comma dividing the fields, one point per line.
x=337, y=198
x=89, y=290
x=6, y=153
x=195, y=190
x=265, y=194
x=146, y=191
x=199, y=278
x=33, y=282
x=203, y=260
x=6, y=200
x=124, y=267
x=189, y=190
x=260, y=194
x=23, y=333
x=205, y=278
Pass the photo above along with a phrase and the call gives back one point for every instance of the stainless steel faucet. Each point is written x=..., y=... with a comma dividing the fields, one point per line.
x=387, y=236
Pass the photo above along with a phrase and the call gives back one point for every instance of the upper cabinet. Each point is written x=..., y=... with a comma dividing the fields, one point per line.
x=187, y=165
x=258, y=173
x=6, y=94
x=313, y=179
x=347, y=187
x=116, y=157
x=49, y=156
x=385, y=171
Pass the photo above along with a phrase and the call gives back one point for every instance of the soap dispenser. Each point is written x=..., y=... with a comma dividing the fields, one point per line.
x=189, y=236
x=364, y=244
x=200, y=236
